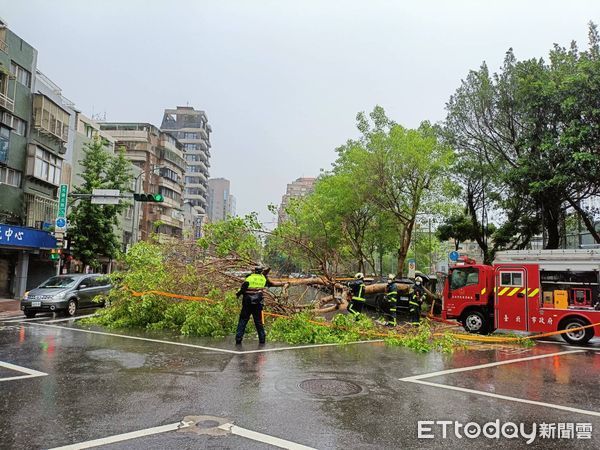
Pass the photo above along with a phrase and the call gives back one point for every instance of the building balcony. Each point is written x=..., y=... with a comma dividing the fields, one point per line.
x=7, y=103
x=178, y=223
x=3, y=46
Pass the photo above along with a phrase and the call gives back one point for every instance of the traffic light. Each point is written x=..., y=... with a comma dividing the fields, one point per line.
x=156, y=198
x=55, y=254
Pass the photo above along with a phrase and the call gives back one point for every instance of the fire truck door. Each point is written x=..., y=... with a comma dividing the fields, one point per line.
x=511, y=298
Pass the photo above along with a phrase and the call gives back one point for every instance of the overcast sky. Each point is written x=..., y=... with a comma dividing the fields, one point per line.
x=282, y=80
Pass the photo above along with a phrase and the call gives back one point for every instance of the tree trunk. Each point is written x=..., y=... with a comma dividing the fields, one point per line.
x=552, y=224
x=405, y=237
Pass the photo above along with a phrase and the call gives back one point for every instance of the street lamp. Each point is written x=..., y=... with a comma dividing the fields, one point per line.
x=135, y=204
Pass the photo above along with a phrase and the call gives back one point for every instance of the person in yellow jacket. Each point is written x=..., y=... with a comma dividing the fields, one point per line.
x=252, y=303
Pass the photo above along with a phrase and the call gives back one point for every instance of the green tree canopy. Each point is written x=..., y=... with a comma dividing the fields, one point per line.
x=92, y=230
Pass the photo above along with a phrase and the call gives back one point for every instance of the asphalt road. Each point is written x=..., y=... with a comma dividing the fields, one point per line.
x=60, y=385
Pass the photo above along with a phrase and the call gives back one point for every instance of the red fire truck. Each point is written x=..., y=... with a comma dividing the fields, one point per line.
x=527, y=290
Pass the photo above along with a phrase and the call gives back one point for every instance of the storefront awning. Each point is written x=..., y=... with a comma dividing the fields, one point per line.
x=21, y=237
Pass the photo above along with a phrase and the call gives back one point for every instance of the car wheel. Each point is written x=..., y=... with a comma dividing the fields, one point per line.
x=71, y=308
x=578, y=336
x=29, y=314
x=475, y=322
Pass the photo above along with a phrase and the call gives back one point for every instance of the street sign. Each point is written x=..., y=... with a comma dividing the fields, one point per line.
x=60, y=224
x=412, y=267
x=106, y=196
x=63, y=192
x=453, y=256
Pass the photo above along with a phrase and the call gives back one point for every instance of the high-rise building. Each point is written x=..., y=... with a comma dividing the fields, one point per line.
x=159, y=156
x=296, y=189
x=191, y=128
x=221, y=204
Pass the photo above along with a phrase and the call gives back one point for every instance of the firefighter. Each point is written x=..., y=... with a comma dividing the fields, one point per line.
x=357, y=286
x=392, y=297
x=252, y=303
x=416, y=300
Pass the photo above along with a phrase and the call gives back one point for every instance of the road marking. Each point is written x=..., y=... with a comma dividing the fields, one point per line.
x=277, y=349
x=160, y=341
x=564, y=344
x=260, y=437
x=484, y=366
x=70, y=318
x=30, y=373
x=216, y=349
x=125, y=436
x=27, y=320
x=505, y=397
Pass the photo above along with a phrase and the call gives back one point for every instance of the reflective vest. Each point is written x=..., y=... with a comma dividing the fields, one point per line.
x=359, y=296
x=256, y=281
x=392, y=295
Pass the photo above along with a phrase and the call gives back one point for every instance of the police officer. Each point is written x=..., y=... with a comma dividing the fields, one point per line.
x=357, y=286
x=392, y=298
x=252, y=304
x=416, y=300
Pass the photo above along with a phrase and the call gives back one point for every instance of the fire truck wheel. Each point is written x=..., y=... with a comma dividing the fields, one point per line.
x=475, y=322
x=579, y=336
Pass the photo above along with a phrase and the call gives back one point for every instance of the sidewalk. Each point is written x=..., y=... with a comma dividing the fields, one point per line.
x=9, y=307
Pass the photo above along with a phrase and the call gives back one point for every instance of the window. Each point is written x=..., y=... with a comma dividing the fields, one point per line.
x=50, y=117
x=3, y=83
x=192, y=180
x=188, y=147
x=169, y=193
x=511, y=279
x=190, y=135
x=464, y=277
x=169, y=174
x=10, y=176
x=4, y=142
x=23, y=76
x=20, y=126
x=47, y=166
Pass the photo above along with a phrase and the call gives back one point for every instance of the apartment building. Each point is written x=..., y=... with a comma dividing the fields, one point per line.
x=159, y=158
x=296, y=189
x=191, y=128
x=33, y=140
x=221, y=204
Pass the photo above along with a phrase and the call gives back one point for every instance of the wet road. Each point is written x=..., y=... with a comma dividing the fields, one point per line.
x=61, y=384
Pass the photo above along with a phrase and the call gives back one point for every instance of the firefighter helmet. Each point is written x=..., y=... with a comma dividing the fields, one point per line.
x=359, y=276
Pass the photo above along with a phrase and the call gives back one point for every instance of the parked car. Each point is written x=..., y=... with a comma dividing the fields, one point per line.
x=66, y=293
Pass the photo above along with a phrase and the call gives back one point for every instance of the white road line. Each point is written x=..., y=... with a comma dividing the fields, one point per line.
x=484, y=366
x=216, y=349
x=27, y=320
x=260, y=437
x=564, y=344
x=505, y=397
x=29, y=373
x=102, y=333
x=278, y=349
x=70, y=318
x=125, y=436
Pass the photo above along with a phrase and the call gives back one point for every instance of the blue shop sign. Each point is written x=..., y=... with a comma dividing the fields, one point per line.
x=14, y=236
